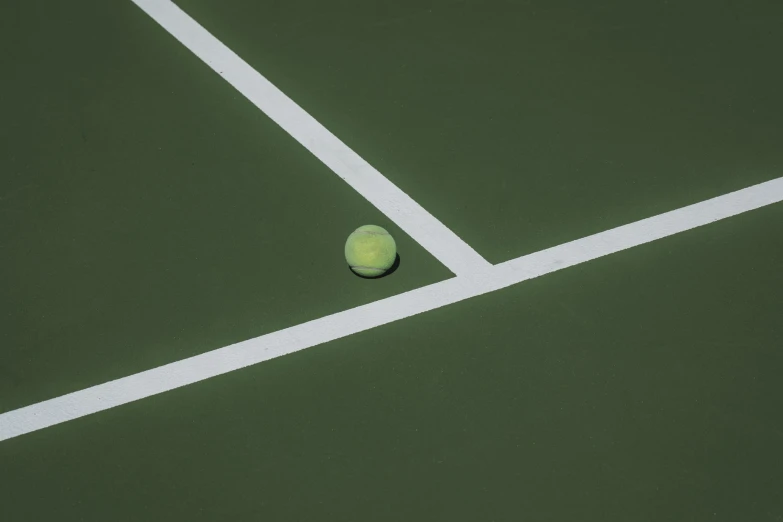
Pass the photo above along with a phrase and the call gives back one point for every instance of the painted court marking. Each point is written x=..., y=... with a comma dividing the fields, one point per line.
x=423, y=227
x=312, y=333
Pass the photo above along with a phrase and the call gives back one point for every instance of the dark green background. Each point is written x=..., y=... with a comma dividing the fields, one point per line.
x=148, y=213
x=643, y=386
x=526, y=124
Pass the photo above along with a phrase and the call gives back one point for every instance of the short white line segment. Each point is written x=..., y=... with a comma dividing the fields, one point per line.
x=422, y=226
x=312, y=333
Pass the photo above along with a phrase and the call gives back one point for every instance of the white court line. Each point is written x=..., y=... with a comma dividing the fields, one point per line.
x=422, y=226
x=312, y=333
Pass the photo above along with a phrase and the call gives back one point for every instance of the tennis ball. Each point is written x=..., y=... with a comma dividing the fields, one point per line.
x=370, y=251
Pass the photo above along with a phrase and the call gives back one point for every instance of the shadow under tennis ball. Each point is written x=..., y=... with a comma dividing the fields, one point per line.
x=389, y=272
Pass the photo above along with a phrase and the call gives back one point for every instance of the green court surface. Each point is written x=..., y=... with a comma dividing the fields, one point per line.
x=526, y=124
x=149, y=213
x=645, y=386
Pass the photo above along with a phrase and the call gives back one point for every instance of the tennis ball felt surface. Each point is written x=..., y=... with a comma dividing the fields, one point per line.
x=370, y=251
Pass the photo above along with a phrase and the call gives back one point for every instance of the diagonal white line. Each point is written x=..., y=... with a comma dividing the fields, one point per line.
x=422, y=226
x=306, y=335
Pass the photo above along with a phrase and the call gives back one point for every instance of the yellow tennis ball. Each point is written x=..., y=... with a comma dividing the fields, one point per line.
x=370, y=251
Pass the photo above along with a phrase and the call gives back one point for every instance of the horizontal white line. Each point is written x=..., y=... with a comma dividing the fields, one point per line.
x=319, y=331
x=422, y=226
